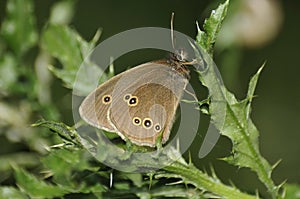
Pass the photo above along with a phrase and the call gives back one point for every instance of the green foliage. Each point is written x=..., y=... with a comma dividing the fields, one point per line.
x=35, y=187
x=10, y=192
x=19, y=35
x=292, y=191
x=212, y=25
x=64, y=160
x=66, y=133
x=69, y=48
x=19, y=94
x=244, y=135
x=238, y=126
x=19, y=28
x=61, y=166
x=8, y=73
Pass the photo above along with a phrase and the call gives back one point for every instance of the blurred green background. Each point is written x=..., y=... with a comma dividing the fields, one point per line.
x=252, y=34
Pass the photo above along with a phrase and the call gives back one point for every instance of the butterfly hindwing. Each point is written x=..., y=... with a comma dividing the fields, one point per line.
x=145, y=107
x=138, y=104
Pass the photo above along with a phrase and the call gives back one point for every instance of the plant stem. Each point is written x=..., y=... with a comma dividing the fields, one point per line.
x=190, y=174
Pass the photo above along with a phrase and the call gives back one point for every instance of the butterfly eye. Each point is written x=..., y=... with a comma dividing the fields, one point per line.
x=147, y=123
x=127, y=97
x=133, y=101
x=136, y=121
x=157, y=127
x=106, y=99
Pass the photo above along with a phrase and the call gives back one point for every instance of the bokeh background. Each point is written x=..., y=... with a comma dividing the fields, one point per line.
x=254, y=32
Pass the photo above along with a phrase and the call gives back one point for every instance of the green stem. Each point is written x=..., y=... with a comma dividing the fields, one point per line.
x=202, y=181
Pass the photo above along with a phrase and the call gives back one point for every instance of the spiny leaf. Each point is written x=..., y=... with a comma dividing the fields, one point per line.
x=61, y=161
x=67, y=133
x=244, y=136
x=36, y=187
x=231, y=118
x=19, y=27
x=66, y=164
x=212, y=25
x=71, y=50
x=39, y=188
x=251, y=89
x=63, y=43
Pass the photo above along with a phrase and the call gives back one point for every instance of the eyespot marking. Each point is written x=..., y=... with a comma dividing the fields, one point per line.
x=147, y=123
x=157, y=127
x=126, y=97
x=133, y=101
x=106, y=99
x=136, y=121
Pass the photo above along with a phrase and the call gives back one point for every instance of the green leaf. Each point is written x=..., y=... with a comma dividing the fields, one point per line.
x=212, y=25
x=8, y=73
x=11, y=192
x=62, y=12
x=62, y=161
x=19, y=158
x=251, y=89
x=63, y=43
x=244, y=136
x=70, y=49
x=19, y=26
x=233, y=121
x=95, y=189
x=292, y=191
x=68, y=134
x=36, y=187
x=66, y=163
x=121, y=186
x=136, y=178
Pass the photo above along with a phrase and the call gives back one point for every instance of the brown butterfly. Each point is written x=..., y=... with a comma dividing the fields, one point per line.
x=140, y=103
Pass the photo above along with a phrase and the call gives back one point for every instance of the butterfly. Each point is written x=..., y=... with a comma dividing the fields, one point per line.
x=139, y=104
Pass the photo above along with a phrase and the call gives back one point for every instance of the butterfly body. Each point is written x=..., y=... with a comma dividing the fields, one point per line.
x=140, y=103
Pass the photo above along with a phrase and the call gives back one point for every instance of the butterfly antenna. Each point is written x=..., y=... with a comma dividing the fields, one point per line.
x=172, y=30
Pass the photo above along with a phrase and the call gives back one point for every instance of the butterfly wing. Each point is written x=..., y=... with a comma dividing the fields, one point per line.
x=95, y=108
x=145, y=102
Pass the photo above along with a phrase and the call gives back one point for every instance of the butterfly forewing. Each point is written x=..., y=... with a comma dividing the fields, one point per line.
x=94, y=110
